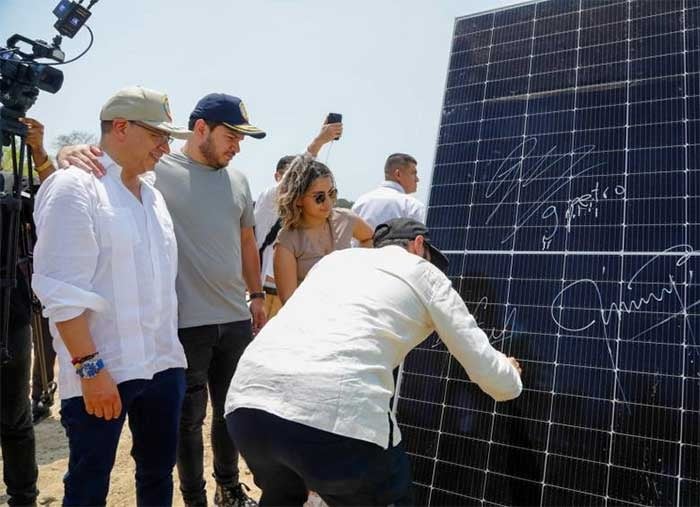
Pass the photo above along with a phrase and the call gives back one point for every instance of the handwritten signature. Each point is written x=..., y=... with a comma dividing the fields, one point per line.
x=607, y=311
x=511, y=176
x=578, y=206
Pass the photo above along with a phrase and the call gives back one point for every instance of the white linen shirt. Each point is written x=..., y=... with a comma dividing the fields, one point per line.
x=326, y=359
x=101, y=251
x=387, y=201
x=266, y=215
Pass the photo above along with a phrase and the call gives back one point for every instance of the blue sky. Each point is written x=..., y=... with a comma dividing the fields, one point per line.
x=380, y=63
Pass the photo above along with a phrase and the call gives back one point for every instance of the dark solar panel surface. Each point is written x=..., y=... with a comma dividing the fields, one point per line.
x=566, y=189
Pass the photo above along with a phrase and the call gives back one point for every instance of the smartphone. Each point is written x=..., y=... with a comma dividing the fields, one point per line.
x=334, y=118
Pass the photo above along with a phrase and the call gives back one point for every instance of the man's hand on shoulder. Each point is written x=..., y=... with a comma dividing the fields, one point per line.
x=83, y=156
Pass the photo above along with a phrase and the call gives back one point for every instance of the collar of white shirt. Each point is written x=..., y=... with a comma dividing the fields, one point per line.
x=393, y=185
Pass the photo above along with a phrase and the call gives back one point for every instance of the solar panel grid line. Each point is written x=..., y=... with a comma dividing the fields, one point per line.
x=634, y=441
x=502, y=345
x=542, y=483
x=645, y=438
x=587, y=47
x=523, y=418
x=534, y=362
x=612, y=190
x=685, y=289
x=582, y=131
x=628, y=253
x=554, y=454
x=590, y=109
x=547, y=462
x=449, y=359
x=588, y=61
x=476, y=90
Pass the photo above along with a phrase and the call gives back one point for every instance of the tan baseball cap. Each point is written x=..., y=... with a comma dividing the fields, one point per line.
x=135, y=103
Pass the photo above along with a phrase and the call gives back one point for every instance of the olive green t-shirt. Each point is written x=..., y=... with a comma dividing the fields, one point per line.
x=208, y=207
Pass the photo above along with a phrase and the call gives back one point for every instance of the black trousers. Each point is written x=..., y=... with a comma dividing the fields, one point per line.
x=288, y=459
x=49, y=358
x=212, y=355
x=16, y=430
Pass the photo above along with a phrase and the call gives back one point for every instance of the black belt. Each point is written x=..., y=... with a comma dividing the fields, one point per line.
x=272, y=291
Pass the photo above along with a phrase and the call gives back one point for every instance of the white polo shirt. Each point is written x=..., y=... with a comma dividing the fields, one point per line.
x=326, y=359
x=387, y=201
x=101, y=251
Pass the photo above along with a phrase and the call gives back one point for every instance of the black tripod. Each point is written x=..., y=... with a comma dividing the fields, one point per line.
x=17, y=239
x=11, y=129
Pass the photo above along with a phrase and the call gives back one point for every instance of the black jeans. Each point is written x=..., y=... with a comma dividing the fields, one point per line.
x=16, y=430
x=212, y=355
x=287, y=458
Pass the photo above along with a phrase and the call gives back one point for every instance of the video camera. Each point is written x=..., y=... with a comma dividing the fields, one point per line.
x=21, y=79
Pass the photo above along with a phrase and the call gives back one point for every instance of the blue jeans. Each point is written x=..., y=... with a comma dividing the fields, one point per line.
x=288, y=459
x=154, y=408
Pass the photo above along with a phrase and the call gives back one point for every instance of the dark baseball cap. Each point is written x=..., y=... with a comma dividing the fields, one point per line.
x=226, y=109
x=407, y=228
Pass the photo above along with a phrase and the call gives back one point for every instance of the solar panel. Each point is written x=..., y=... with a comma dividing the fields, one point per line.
x=566, y=191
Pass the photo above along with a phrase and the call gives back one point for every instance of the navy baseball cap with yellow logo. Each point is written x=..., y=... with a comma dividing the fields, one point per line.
x=226, y=109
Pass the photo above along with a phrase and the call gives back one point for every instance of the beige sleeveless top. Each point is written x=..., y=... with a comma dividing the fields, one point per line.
x=309, y=245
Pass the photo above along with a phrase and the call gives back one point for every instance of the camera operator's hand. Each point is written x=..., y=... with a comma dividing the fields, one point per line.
x=35, y=140
x=329, y=131
x=101, y=396
x=83, y=156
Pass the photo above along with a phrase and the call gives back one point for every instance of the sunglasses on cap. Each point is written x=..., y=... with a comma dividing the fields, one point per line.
x=320, y=197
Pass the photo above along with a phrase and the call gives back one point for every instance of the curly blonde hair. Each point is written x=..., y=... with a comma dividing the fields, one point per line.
x=300, y=175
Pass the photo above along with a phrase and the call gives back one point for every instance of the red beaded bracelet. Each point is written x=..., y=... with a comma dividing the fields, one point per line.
x=76, y=361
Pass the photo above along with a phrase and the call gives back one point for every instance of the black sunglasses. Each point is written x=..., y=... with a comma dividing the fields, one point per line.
x=320, y=197
x=163, y=137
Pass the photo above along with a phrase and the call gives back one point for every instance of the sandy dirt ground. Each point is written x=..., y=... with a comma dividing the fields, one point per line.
x=52, y=458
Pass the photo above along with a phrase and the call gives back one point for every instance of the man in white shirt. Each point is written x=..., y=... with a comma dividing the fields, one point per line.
x=309, y=405
x=267, y=217
x=105, y=264
x=392, y=198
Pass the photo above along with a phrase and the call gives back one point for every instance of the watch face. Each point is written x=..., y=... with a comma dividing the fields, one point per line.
x=91, y=368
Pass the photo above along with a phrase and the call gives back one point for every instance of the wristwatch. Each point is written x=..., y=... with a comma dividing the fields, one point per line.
x=90, y=368
x=255, y=295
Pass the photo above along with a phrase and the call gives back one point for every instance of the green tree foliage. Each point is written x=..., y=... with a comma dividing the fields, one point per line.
x=74, y=137
x=344, y=203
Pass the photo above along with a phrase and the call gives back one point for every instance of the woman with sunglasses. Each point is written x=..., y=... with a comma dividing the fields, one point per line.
x=311, y=226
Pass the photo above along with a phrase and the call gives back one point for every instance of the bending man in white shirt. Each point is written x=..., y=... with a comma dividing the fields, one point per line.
x=392, y=198
x=309, y=405
x=105, y=265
